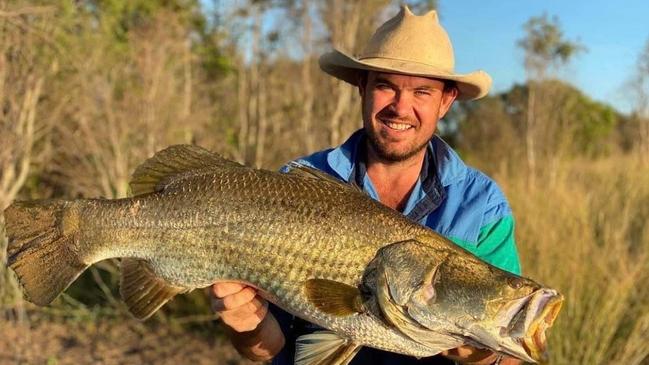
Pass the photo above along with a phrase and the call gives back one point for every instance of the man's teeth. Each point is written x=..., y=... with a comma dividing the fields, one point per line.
x=398, y=126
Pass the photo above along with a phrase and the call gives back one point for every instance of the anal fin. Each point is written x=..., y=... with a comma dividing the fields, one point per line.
x=324, y=348
x=144, y=292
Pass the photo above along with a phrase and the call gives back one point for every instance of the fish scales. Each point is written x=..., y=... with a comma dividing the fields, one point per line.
x=274, y=255
x=198, y=218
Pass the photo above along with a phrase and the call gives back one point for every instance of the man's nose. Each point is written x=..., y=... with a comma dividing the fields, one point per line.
x=401, y=104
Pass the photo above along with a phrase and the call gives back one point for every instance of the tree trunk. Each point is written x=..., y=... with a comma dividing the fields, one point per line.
x=307, y=82
x=262, y=123
x=242, y=104
x=530, y=147
x=187, y=90
x=253, y=95
x=344, y=29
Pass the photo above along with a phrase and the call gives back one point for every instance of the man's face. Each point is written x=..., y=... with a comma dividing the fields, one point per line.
x=400, y=113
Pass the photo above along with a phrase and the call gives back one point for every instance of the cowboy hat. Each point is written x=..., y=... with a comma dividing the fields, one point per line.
x=411, y=45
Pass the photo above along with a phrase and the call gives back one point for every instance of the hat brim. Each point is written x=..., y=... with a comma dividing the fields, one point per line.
x=470, y=86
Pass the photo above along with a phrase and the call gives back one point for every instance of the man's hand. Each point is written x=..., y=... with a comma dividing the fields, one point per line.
x=238, y=305
x=253, y=331
x=473, y=356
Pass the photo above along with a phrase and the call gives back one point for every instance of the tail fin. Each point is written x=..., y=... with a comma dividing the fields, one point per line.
x=43, y=247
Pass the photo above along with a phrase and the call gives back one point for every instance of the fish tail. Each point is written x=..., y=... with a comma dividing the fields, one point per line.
x=43, y=247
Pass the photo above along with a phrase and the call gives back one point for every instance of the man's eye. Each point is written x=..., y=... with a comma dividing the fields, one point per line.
x=382, y=86
x=422, y=92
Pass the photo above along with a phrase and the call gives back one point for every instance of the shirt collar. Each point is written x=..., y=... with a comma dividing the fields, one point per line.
x=449, y=167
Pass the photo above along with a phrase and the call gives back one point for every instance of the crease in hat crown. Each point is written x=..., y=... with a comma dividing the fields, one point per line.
x=400, y=39
x=411, y=45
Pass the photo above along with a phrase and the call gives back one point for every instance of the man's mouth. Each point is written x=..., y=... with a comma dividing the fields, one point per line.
x=396, y=125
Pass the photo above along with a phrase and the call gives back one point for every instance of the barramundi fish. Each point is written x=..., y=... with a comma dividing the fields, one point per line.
x=314, y=246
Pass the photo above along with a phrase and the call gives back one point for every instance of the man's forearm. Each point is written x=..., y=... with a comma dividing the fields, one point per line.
x=260, y=344
x=472, y=356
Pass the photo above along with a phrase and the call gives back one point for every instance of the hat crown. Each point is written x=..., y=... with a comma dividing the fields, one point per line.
x=412, y=38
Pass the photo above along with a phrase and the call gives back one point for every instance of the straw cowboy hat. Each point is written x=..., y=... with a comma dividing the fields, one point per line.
x=411, y=45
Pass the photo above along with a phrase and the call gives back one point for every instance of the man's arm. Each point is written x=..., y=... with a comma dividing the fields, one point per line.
x=472, y=356
x=253, y=331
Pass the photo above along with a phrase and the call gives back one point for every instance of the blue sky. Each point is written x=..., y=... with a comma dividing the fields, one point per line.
x=484, y=34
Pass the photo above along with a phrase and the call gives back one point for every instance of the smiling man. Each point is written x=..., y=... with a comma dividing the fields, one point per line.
x=407, y=83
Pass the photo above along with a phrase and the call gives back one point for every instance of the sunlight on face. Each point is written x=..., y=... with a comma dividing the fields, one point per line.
x=400, y=113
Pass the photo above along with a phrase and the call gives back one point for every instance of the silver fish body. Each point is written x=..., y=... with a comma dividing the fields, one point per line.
x=314, y=246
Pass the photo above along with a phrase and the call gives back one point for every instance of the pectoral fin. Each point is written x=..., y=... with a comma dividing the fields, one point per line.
x=333, y=297
x=324, y=348
x=144, y=292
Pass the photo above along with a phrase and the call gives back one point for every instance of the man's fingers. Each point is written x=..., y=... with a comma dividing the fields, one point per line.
x=255, y=308
x=247, y=317
x=235, y=300
x=225, y=288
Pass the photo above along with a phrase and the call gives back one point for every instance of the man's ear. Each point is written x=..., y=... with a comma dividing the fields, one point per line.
x=448, y=97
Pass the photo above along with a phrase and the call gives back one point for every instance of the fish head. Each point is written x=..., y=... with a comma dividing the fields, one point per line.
x=426, y=291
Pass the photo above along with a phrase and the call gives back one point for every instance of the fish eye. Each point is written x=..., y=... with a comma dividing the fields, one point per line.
x=515, y=282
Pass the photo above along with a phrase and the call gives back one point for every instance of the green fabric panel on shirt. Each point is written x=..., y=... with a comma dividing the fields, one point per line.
x=496, y=245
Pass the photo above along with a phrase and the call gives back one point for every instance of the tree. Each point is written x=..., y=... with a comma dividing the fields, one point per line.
x=118, y=81
x=27, y=61
x=486, y=133
x=546, y=50
x=640, y=87
x=489, y=129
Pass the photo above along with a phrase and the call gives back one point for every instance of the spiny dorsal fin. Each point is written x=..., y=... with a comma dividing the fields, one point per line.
x=172, y=163
x=299, y=169
x=324, y=348
x=333, y=297
x=143, y=292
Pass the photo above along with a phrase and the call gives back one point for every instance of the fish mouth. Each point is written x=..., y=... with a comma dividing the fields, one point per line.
x=535, y=316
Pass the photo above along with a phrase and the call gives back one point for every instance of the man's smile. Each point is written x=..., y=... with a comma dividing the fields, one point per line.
x=396, y=125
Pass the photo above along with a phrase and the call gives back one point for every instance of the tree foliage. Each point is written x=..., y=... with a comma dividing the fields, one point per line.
x=492, y=130
x=545, y=46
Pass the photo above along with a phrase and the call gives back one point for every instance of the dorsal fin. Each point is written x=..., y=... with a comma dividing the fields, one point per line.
x=299, y=169
x=144, y=292
x=173, y=162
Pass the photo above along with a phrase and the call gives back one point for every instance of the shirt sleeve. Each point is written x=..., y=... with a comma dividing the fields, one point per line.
x=497, y=246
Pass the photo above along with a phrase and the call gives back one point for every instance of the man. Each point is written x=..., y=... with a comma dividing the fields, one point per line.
x=406, y=81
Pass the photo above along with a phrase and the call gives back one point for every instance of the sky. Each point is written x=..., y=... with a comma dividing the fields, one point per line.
x=485, y=32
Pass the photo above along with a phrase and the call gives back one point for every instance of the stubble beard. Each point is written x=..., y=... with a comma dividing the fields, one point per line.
x=383, y=151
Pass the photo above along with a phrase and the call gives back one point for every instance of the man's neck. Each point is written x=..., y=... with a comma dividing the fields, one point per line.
x=394, y=180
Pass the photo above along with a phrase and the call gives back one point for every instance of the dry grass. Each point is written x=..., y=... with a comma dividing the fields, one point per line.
x=586, y=234
x=103, y=341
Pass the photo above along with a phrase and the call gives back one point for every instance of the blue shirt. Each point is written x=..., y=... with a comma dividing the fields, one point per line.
x=457, y=201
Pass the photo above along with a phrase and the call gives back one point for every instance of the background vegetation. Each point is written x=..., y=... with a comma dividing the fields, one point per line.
x=91, y=88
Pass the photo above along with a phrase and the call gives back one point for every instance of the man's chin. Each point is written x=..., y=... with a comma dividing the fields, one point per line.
x=396, y=155
x=393, y=151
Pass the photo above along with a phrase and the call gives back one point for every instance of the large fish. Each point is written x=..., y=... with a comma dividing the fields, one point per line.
x=314, y=246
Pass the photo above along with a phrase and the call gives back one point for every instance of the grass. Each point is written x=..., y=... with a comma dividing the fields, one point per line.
x=585, y=233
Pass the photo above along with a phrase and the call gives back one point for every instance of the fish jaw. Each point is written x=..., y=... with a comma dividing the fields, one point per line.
x=542, y=310
x=519, y=328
